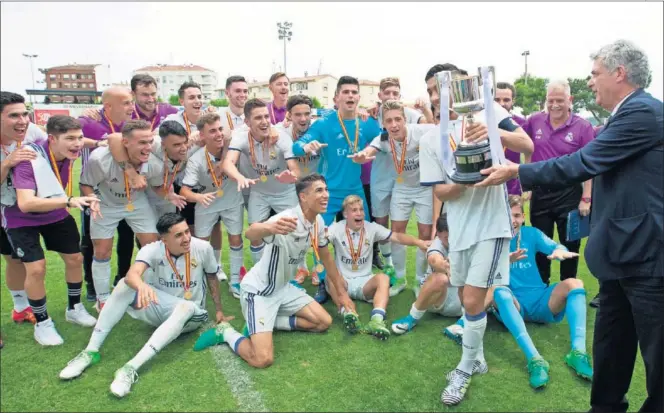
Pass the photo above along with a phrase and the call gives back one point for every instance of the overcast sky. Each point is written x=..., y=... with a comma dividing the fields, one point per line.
x=366, y=40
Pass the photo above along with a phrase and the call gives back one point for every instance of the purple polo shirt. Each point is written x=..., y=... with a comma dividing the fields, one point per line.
x=365, y=175
x=24, y=178
x=276, y=114
x=549, y=143
x=163, y=110
x=96, y=130
x=513, y=186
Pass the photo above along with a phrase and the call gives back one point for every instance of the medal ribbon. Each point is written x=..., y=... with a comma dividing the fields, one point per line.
x=357, y=132
x=355, y=255
x=127, y=190
x=252, y=151
x=399, y=165
x=154, y=118
x=217, y=181
x=314, y=240
x=110, y=124
x=54, y=165
x=186, y=123
x=176, y=168
x=187, y=270
x=230, y=121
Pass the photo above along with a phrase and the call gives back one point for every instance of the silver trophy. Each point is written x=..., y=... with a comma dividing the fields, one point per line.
x=467, y=100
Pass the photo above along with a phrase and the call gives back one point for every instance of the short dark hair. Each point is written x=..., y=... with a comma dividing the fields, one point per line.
x=185, y=86
x=441, y=224
x=207, y=118
x=135, y=124
x=304, y=183
x=505, y=85
x=298, y=100
x=171, y=127
x=59, y=124
x=445, y=67
x=142, y=80
x=252, y=104
x=347, y=80
x=277, y=76
x=232, y=79
x=167, y=220
x=9, y=98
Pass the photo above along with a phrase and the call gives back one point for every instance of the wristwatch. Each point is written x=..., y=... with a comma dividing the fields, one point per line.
x=586, y=199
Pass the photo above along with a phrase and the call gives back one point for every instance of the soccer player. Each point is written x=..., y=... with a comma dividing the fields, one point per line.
x=269, y=301
x=274, y=168
x=147, y=107
x=279, y=87
x=402, y=146
x=191, y=98
x=353, y=239
x=480, y=227
x=117, y=108
x=336, y=137
x=118, y=200
x=14, y=124
x=299, y=117
x=43, y=194
x=216, y=197
x=436, y=294
x=529, y=299
x=172, y=299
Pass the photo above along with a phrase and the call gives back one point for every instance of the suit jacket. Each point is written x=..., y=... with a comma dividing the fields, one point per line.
x=626, y=161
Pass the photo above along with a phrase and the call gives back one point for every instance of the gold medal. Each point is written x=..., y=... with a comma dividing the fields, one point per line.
x=130, y=207
x=320, y=268
x=399, y=164
x=400, y=179
x=263, y=178
x=187, y=295
x=355, y=254
x=355, y=267
x=220, y=193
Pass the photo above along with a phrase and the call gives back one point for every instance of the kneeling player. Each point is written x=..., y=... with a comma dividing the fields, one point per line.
x=353, y=240
x=174, y=301
x=436, y=294
x=267, y=297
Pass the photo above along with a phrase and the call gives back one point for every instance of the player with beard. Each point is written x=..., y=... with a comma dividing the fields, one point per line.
x=44, y=191
x=337, y=137
x=172, y=299
x=269, y=301
x=279, y=86
x=215, y=196
x=274, y=168
x=13, y=129
x=144, y=91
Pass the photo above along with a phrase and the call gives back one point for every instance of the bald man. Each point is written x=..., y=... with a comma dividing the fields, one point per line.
x=118, y=108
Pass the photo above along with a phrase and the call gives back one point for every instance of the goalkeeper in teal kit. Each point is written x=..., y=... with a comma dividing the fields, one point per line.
x=338, y=137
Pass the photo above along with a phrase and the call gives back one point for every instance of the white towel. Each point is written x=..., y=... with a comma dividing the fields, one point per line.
x=47, y=182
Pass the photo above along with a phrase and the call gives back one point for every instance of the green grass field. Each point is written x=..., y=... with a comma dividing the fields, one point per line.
x=311, y=372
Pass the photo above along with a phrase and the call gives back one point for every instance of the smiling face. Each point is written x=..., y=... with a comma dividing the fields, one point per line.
x=178, y=239
x=395, y=123
x=120, y=105
x=259, y=123
x=279, y=89
x=192, y=100
x=67, y=145
x=504, y=98
x=237, y=93
x=315, y=198
x=175, y=147
x=212, y=136
x=390, y=93
x=348, y=97
x=354, y=214
x=14, y=122
x=558, y=104
x=300, y=115
x=517, y=217
x=139, y=145
x=146, y=97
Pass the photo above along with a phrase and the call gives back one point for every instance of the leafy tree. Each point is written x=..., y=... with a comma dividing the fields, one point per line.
x=530, y=95
x=316, y=103
x=160, y=100
x=174, y=100
x=218, y=103
x=584, y=99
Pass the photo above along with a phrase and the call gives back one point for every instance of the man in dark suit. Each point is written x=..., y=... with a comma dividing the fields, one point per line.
x=625, y=247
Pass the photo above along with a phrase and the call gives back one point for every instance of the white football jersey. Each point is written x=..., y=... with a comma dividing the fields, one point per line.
x=162, y=277
x=308, y=163
x=338, y=237
x=436, y=247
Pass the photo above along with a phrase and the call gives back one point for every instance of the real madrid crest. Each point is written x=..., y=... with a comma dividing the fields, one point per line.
x=273, y=155
x=194, y=263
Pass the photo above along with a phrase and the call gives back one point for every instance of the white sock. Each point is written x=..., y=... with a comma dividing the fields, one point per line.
x=111, y=314
x=415, y=313
x=420, y=265
x=168, y=331
x=20, y=299
x=217, y=255
x=257, y=252
x=233, y=338
x=386, y=252
x=285, y=323
x=399, y=254
x=237, y=261
x=101, y=277
x=473, y=334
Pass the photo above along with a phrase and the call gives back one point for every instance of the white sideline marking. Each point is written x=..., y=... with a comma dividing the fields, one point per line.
x=241, y=385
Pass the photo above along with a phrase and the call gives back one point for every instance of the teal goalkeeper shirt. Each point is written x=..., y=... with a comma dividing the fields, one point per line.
x=341, y=173
x=524, y=275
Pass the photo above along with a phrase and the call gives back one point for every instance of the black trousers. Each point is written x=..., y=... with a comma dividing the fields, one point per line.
x=631, y=313
x=547, y=211
x=124, y=248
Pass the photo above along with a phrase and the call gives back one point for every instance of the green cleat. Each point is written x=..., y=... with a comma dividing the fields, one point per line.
x=539, y=372
x=378, y=329
x=390, y=272
x=580, y=363
x=351, y=322
x=212, y=336
x=245, y=330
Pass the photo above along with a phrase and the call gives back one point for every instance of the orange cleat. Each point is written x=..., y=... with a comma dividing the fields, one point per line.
x=301, y=275
x=314, y=278
x=23, y=316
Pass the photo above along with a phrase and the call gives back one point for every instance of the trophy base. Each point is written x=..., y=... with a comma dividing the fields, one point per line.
x=467, y=179
x=470, y=160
